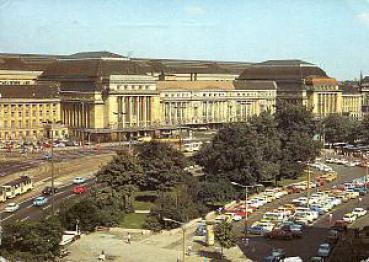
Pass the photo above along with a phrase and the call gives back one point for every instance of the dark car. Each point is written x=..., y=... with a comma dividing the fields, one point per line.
x=295, y=230
x=279, y=234
x=339, y=225
x=333, y=236
x=48, y=190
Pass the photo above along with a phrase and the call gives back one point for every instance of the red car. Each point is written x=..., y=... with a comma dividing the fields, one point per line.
x=79, y=189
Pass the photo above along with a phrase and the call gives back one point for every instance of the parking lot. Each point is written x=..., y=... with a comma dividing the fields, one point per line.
x=314, y=234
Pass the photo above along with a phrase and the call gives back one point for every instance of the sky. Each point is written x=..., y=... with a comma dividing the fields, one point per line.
x=333, y=34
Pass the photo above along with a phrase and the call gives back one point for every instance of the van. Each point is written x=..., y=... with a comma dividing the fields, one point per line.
x=273, y=216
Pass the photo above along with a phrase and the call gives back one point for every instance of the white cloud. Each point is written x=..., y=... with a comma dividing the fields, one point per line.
x=195, y=10
x=363, y=18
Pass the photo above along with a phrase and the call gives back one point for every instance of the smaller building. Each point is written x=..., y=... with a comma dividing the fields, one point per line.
x=25, y=108
x=352, y=102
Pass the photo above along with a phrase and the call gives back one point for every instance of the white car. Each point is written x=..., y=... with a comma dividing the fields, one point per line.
x=349, y=217
x=11, y=207
x=359, y=212
x=79, y=180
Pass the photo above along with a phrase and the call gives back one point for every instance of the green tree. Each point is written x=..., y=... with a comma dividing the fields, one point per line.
x=224, y=235
x=244, y=153
x=177, y=205
x=39, y=240
x=297, y=129
x=124, y=175
x=336, y=128
x=163, y=165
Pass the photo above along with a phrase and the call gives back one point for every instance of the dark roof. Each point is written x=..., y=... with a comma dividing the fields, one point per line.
x=97, y=54
x=255, y=85
x=19, y=180
x=91, y=69
x=287, y=70
x=25, y=64
x=178, y=66
x=348, y=89
x=29, y=91
x=285, y=62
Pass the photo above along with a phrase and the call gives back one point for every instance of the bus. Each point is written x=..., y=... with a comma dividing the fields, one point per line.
x=17, y=187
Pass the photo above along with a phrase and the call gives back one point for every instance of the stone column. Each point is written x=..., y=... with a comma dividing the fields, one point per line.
x=138, y=110
x=123, y=110
x=170, y=112
x=144, y=108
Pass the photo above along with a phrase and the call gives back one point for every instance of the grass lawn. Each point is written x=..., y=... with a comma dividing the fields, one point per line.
x=286, y=182
x=134, y=221
x=141, y=205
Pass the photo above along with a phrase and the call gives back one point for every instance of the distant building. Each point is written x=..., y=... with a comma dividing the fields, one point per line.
x=352, y=102
x=299, y=82
x=364, y=88
x=24, y=110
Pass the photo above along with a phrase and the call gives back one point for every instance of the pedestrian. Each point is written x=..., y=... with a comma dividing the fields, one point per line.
x=359, y=200
x=330, y=218
x=102, y=256
x=129, y=238
x=247, y=242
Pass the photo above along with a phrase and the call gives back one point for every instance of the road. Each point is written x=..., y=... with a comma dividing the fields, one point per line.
x=28, y=212
x=314, y=235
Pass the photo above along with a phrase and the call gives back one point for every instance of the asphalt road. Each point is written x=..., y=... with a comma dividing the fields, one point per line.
x=313, y=236
x=28, y=212
x=36, y=159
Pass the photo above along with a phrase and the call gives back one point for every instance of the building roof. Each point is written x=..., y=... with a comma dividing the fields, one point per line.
x=96, y=54
x=194, y=85
x=318, y=80
x=91, y=69
x=29, y=91
x=178, y=66
x=349, y=89
x=255, y=85
x=284, y=70
x=287, y=62
x=24, y=64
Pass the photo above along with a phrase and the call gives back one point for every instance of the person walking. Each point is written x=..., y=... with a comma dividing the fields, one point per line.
x=129, y=238
x=330, y=218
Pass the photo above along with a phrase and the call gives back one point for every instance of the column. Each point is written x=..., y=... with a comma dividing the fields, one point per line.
x=123, y=110
x=144, y=110
x=170, y=112
x=138, y=110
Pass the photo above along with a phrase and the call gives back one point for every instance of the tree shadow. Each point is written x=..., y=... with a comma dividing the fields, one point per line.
x=213, y=256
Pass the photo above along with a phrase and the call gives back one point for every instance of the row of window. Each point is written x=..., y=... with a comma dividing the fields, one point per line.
x=10, y=82
x=133, y=87
x=20, y=123
x=27, y=114
x=213, y=94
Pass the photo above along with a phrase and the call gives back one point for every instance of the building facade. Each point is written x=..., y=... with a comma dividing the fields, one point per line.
x=24, y=110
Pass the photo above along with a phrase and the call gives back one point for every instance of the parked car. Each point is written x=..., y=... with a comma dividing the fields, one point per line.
x=39, y=201
x=48, y=190
x=79, y=189
x=257, y=230
x=340, y=225
x=359, y=212
x=333, y=236
x=296, y=230
x=324, y=250
x=279, y=234
x=46, y=156
x=79, y=180
x=11, y=207
x=349, y=217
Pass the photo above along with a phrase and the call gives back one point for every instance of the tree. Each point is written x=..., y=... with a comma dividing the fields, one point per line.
x=215, y=189
x=245, y=153
x=178, y=205
x=124, y=175
x=163, y=165
x=336, y=128
x=224, y=235
x=83, y=213
x=37, y=240
x=297, y=128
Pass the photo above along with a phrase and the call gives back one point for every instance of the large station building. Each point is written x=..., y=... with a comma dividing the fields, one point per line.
x=104, y=96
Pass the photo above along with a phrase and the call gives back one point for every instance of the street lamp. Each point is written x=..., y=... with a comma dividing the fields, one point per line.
x=183, y=235
x=48, y=128
x=246, y=199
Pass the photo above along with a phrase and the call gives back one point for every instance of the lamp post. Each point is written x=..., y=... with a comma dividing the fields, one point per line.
x=50, y=128
x=183, y=236
x=246, y=199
